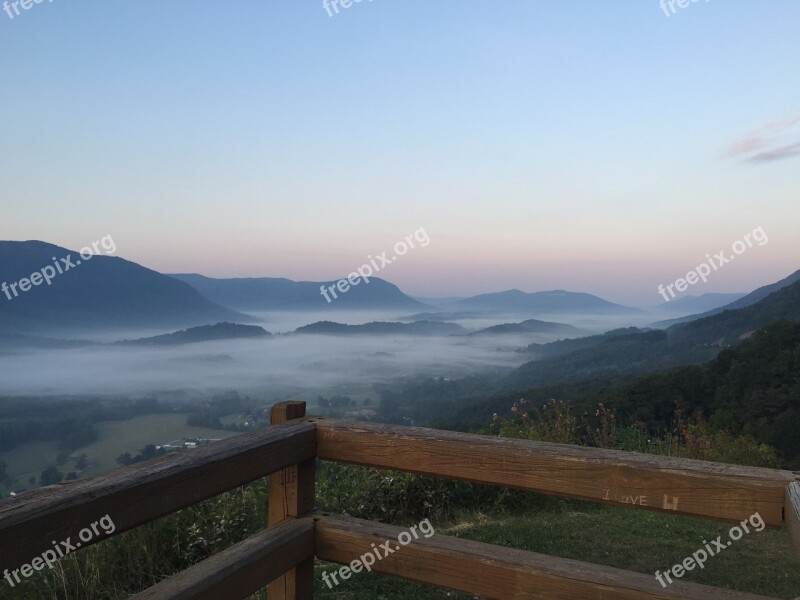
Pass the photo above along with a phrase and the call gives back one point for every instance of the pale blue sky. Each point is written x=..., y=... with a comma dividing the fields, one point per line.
x=575, y=144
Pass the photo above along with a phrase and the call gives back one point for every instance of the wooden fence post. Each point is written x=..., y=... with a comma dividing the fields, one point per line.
x=291, y=495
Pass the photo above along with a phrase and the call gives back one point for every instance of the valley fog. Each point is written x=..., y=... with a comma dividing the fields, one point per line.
x=279, y=363
x=283, y=363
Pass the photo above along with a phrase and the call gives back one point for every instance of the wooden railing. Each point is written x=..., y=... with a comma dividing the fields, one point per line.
x=282, y=555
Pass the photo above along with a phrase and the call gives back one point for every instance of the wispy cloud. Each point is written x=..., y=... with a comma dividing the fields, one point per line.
x=777, y=140
x=779, y=153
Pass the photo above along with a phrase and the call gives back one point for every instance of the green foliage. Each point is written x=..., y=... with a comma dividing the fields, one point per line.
x=146, y=453
x=753, y=390
x=3, y=472
x=558, y=424
x=426, y=400
x=687, y=437
x=132, y=561
x=71, y=433
x=51, y=475
x=398, y=497
x=370, y=493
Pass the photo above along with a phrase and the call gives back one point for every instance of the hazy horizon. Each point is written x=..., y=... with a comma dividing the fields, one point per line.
x=644, y=300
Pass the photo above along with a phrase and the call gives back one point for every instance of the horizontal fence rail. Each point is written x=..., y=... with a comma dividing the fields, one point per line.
x=241, y=569
x=689, y=487
x=496, y=572
x=132, y=496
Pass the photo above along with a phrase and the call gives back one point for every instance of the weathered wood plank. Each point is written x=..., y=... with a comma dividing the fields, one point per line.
x=495, y=572
x=291, y=495
x=689, y=487
x=241, y=569
x=143, y=492
x=792, y=515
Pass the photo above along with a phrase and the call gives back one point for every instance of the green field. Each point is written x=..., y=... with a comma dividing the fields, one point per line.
x=115, y=438
x=28, y=460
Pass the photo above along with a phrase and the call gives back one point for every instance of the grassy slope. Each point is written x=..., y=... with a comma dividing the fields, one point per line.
x=642, y=541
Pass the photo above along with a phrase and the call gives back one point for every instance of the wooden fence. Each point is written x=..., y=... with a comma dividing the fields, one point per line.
x=282, y=555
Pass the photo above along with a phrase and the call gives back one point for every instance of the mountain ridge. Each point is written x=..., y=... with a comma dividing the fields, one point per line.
x=626, y=352
x=382, y=328
x=550, y=301
x=202, y=333
x=101, y=292
x=747, y=300
x=282, y=294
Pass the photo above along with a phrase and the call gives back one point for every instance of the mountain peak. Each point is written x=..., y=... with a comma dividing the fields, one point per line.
x=101, y=292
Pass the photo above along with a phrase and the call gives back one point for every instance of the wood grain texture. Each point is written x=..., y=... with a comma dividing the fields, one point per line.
x=683, y=486
x=792, y=515
x=143, y=492
x=291, y=495
x=496, y=572
x=241, y=569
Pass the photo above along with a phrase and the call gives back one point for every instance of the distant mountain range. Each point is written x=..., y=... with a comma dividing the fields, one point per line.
x=112, y=293
x=731, y=326
x=13, y=343
x=271, y=294
x=530, y=326
x=442, y=316
x=697, y=304
x=383, y=328
x=104, y=292
x=203, y=333
x=632, y=351
x=439, y=301
x=434, y=328
x=743, y=302
x=553, y=302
